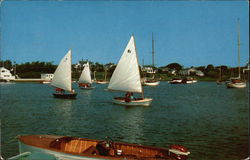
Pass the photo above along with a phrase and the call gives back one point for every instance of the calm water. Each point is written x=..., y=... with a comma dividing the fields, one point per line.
x=210, y=120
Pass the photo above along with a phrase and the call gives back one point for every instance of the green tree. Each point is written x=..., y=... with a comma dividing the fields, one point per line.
x=175, y=66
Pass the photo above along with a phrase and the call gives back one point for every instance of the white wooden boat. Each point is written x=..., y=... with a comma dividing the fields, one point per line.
x=126, y=77
x=153, y=81
x=103, y=81
x=73, y=148
x=62, y=79
x=85, y=81
x=236, y=82
x=176, y=81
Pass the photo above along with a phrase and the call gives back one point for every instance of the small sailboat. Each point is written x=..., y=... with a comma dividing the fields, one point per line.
x=64, y=147
x=126, y=78
x=104, y=81
x=152, y=81
x=62, y=79
x=237, y=82
x=219, y=81
x=176, y=81
x=85, y=81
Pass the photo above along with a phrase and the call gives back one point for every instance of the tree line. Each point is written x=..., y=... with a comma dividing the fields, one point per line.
x=34, y=69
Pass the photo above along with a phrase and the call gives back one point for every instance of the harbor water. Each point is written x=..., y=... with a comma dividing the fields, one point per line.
x=209, y=119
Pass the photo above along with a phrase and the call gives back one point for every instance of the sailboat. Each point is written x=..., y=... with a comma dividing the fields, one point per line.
x=236, y=82
x=85, y=81
x=126, y=78
x=152, y=81
x=62, y=79
x=105, y=78
x=219, y=81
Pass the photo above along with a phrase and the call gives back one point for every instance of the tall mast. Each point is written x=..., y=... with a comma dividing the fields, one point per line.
x=239, y=46
x=142, y=93
x=153, y=52
x=70, y=69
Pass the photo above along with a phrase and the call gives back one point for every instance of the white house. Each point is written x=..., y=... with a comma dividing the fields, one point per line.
x=148, y=70
x=187, y=72
x=47, y=76
x=5, y=74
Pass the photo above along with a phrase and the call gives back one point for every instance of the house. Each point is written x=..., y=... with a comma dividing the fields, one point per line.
x=148, y=70
x=6, y=74
x=47, y=76
x=187, y=72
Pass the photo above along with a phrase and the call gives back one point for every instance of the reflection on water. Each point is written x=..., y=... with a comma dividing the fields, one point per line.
x=209, y=119
x=133, y=122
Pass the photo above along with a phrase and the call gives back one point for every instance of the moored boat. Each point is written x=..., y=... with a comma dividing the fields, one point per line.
x=62, y=79
x=126, y=78
x=82, y=148
x=103, y=81
x=237, y=82
x=151, y=81
x=176, y=81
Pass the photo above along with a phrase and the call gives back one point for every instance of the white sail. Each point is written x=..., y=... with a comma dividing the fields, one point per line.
x=62, y=75
x=85, y=76
x=126, y=76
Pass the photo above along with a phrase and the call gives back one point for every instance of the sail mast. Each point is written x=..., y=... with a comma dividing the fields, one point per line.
x=239, y=46
x=153, y=52
x=70, y=70
x=142, y=93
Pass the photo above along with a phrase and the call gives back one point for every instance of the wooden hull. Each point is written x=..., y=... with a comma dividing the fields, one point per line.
x=236, y=85
x=156, y=83
x=139, y=102
x=65, y=96
x=80, y=148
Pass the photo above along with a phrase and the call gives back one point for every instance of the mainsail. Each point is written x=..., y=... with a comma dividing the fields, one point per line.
x=62, y=75
x=126, y=76
x=85, y=76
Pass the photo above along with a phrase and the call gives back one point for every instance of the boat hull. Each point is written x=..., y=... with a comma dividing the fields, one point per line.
x=236, y=85
x=74, y=148
x=151, y=83
x=65, y=96
x=58, y=155
x=101, y=82
x=87, y=88
x=139, y=102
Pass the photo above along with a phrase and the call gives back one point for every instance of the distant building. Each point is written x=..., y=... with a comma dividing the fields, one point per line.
x=199, y=73
x=187, y=72
x=5, y=74
x=47, y=76
x=148, y=70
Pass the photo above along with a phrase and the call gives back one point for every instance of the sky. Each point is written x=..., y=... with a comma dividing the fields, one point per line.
x=191, y=33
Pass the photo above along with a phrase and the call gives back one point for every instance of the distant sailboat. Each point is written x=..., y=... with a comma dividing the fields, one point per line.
x=236, y=82
x=152, y=81
x=219, y=81
x=62, y=79
x=105, y=78
x=85, y=81
x=126, y=78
